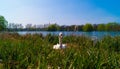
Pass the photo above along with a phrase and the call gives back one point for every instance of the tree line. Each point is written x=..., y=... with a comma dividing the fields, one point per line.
x=111, y=26
x=88, y=27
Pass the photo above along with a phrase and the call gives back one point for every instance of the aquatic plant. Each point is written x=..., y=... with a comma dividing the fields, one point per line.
x=35, y=51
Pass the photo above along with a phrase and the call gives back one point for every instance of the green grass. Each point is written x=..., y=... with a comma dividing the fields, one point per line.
x=35, y=51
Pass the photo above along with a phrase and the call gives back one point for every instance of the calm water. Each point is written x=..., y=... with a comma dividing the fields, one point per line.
x=65, y=33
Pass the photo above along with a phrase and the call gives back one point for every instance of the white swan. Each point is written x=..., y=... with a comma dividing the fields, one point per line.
x=57, y=46
x=60, y=45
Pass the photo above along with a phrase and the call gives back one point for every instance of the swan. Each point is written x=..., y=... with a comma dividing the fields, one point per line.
x=57, y=46
x=60, y=45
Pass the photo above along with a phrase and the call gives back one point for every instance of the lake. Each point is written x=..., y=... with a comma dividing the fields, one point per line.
x=65, y=33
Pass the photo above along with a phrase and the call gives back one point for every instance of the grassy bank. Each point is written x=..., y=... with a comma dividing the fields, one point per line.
x=35, y=51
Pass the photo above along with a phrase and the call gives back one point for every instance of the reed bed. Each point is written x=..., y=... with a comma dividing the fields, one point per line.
x=36, y=52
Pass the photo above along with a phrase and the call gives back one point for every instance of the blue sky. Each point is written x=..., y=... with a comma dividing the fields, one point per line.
x=62, y=12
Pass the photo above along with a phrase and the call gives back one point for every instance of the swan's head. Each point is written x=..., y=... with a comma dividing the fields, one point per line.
x=60, y=34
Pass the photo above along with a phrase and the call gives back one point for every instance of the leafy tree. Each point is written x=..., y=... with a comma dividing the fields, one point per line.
x=3, y=23
x=53, y=27
x=72, y=27
x=95, y=27
x=112, y=26
x=88, y=27
x=115, y=26
x=63, y=28
x=101, y=27
x=80, y=27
